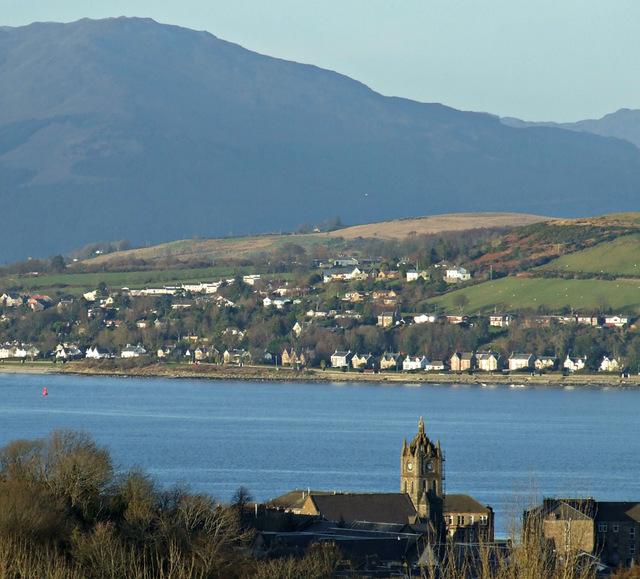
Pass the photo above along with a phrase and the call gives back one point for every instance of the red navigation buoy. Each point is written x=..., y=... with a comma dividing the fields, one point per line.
x=44, y=392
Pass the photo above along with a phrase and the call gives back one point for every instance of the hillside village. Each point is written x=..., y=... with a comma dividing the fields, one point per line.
x=355, y=312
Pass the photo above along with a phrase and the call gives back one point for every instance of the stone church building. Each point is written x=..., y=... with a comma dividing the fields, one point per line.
x=421, y=502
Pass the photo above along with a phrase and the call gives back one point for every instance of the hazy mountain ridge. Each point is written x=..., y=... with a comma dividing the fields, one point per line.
x=128, y=128
x=623, y=124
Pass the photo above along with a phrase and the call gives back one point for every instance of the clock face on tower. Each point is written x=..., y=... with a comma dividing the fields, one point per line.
x=409, y=465
x=429, y=465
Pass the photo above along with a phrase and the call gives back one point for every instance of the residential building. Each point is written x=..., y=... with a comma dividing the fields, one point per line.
x=388, y=319
x=609, y=364
x=97, y=353
x=425, y=318
x=575, y=363
x=467, y=520
x=390, y=361
x=609, y=530
x=411, y=363
x=522, y=361
x=461, y=361
x=616, y=321
x=132, y=351
x=236, y=357
x=363, y=362
x=457, y=274
x=293, y=358
x=546, y=363
x=416, y=274
x=489, y=361
x=500, y=320
x=341, y=359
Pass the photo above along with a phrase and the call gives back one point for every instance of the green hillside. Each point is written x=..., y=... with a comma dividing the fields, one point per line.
x=620, y=257
x=513, y=293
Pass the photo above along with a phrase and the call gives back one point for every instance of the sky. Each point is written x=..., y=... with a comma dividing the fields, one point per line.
x=540, y=60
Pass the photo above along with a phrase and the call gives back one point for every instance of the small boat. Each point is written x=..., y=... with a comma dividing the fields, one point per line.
x=45, y=393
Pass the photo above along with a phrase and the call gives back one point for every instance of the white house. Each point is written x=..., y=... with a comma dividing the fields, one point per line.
x=575, y=363
x=500, y=320
x=609, y=365
x=457, y=274
x=341, y=359
x=435, y=365
x=616, y=321
x=521, y=361
x=425, y=318
x=415, y=274
x=414, y=363
x=132, y=351
x=98, y=353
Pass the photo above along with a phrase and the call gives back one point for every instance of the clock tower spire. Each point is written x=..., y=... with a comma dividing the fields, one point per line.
x=421, y=474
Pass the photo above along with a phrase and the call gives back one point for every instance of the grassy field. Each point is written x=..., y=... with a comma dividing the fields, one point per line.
x=618, y=257
x=77, y=284
x=238, y=247
x=401, y=228
x=511, y=293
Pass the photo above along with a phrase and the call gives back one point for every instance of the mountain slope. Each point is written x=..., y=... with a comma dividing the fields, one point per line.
x=623, y=124
x=128, y=128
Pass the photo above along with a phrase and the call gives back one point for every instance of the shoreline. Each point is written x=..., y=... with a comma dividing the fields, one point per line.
x=313, y=375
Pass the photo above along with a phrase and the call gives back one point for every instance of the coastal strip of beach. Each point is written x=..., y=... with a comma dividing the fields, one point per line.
x=284, y=374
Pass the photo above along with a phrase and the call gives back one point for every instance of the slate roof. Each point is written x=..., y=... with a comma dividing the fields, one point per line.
x=378, y=507
x=618, y=511
x=463, y=504
x=293, y=500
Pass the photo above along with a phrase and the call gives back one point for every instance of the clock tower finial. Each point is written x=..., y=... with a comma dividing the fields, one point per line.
x=421, y=426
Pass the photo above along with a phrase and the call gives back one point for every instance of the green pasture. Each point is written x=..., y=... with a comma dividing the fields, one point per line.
x=81, y=282
x=618, y=257
x=513, y=293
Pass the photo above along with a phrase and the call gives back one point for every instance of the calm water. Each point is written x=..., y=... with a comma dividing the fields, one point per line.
x=272, y=438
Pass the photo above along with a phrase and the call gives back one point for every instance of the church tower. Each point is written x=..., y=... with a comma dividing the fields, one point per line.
x=421, y=475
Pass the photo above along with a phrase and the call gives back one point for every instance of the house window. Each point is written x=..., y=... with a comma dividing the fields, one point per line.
x=472, y=535
x=632, y=550
x=632, y=534
x=471, y=519
x=460, y=519
x=484, y=519
x=615, y=527
x=451, y=519
x=602, y=527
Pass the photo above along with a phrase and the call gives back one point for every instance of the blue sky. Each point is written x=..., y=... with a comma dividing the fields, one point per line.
x=554, y=60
